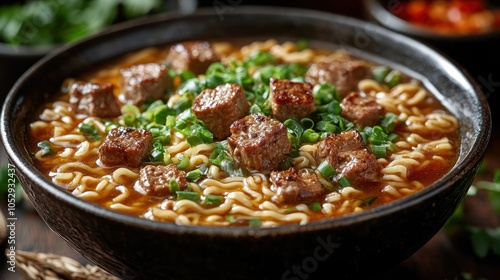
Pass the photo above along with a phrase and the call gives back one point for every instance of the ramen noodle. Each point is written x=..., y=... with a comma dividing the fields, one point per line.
x=261, y=134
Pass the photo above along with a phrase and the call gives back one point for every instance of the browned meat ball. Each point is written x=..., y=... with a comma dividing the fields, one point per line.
x=218, y=108
x=94, y=100
x=363, y=111
x=347, y=154
x=144, y=81
x=155, y=179
x=291, y=99
x=126, y=146
x=195, y=56
x=259, y=143
x=296, y=186
x=343, y=74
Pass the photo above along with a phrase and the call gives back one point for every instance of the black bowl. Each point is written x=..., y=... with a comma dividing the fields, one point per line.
x=359, y=244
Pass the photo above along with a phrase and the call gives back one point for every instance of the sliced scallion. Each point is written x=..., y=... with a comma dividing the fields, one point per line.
x=183, y=163
x=344, y=182
x=380, y=151
x=47, y=149
x=254, y=222
x=315, y=206
x=174, y=186
x=326, y=169
x=213, y=199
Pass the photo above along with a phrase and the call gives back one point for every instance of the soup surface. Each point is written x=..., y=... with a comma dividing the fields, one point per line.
x=260, y=134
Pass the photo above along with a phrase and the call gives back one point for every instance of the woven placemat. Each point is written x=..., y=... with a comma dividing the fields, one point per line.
x=53, y=267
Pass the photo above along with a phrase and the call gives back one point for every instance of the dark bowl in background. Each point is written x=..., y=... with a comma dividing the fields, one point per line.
x=360, y=244
x=478, y=52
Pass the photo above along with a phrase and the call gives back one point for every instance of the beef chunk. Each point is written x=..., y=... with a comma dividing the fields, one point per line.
x=94, y=100
x=347, y=154
x=144, y=81
x=155, y=179
x=296, y=186
x=291, y=99
x=218, y=108
x=343, y=74
x=195, y=56
x=126, y=146
x=363, y=111
x=259, y=143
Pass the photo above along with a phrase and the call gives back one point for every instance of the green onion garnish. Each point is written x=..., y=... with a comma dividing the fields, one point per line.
x=255, y=222
x=47, y=149
x=89, y=130
x=316, y=206
x=212, y=199
x=193, y=196
x=393, y=78
x=344, y=182
x=174, y=186
x=194, y=175
x=326, y=169
x=380, y=151
x=379, y=73
x=183, y=162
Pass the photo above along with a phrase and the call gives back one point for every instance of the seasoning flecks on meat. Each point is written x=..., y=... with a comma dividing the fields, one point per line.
x=218, y=108
x=126, y=146
x=291, y=99
x=343, y=74
x=144, y=81
x=155, y=179
x=296, y=186
x=363, y=111
x=346, y=153
x=195, y=56
x=94, y=100
x=258, y=142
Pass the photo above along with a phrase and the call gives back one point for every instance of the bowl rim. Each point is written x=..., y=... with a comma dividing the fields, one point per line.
x=377, y=11
x=460, y=168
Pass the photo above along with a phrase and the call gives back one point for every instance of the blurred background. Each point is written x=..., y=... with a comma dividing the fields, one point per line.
x=466, y=31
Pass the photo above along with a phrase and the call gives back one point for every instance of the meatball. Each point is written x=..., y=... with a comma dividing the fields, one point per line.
x=218, y=108
x=126, y=146
x=94, y=100
x=144, y=82
x=363, y=111
x=296, y=186
x=259, y=143
x=343, y=74
x=155, y=179
x=346, y=153
x=291, y=99
x=195, y=56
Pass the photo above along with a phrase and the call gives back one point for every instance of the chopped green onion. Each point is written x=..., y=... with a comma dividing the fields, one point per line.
x=231, y=168
x=369, y=200
x=161, y=113
x=183, y=162
x=389, y=122
x=379, y=73
x=307, y=123
x=231, y=219
x=325, y=94
x=326, y=169
x=174, y=186
x=344, y=182
x=316, y=206
x=193, y=196
x=47, y=149
x=380, y=151
x=255, y=222
x=110, y=125
x=212, y=199
x=194, y=175
x=289, y=210
x=294, y=127
x=310, y=136
x=301, y=44
x=327, y=127
x=393, y=78
x=90, y=131
x=157, y=154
